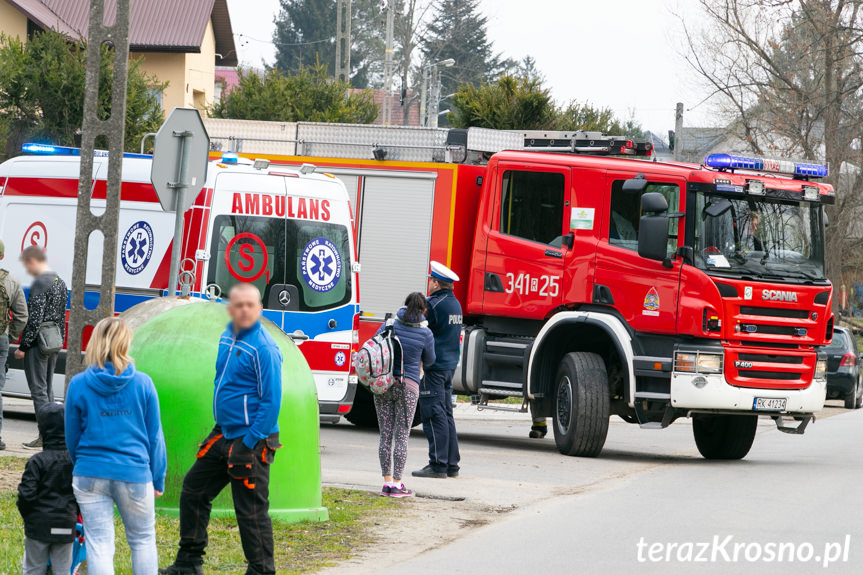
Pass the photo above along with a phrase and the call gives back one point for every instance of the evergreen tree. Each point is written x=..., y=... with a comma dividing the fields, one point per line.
x=310, y=95
x=305, y=36
x=42, y=86
x=457, y=30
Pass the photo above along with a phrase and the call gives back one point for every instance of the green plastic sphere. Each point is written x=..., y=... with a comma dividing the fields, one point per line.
x=177, y=347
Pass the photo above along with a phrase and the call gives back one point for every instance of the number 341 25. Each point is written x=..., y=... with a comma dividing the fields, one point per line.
x=525, y=284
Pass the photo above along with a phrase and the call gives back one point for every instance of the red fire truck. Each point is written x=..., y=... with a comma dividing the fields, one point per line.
x=593, y=284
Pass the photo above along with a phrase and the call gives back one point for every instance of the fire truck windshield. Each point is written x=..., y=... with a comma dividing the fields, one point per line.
x=759, y=236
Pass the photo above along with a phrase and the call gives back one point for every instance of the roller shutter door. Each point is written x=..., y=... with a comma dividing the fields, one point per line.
x=394, y=238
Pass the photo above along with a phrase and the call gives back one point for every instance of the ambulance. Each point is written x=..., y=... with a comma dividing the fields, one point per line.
x=287, y=230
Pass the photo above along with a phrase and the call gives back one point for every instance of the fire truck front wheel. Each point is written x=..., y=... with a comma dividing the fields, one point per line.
x=581, y=405
x=724, y=436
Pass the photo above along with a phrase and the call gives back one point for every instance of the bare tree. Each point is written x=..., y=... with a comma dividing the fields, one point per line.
x=407, y=31
x=790, y=74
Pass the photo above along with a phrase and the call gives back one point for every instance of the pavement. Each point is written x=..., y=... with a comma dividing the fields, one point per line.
x=649, y=503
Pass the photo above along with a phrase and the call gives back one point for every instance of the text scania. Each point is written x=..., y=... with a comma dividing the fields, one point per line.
x=279, y=206
x=779, y=295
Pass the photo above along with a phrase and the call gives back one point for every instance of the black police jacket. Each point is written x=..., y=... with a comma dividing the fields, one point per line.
x=444, y=316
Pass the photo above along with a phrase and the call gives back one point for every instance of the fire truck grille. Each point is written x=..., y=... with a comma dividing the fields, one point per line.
x=778, y=375
x=788, y=330
x=748, y=367
x=774, y=312
x=770, y=358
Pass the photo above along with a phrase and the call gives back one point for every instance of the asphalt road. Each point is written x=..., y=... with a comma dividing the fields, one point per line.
x=649, y=504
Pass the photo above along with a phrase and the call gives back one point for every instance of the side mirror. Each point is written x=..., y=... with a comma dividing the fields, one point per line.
x=636, y=184
x=653, y=237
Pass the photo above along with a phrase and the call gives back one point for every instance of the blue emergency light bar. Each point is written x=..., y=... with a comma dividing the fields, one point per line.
x=230, y=158
x=51, y=150
x=800, y=169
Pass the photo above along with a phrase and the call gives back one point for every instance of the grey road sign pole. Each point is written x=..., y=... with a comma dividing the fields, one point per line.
x=179, y=171
x=180, y=186
x=113, y=129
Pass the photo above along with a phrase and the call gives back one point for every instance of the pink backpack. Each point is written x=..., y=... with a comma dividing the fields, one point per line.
x=375, y=360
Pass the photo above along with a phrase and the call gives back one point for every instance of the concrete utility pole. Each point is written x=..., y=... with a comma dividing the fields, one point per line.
x=113, y=129
x=343, y=40
x=388, y=68
x=678, y=131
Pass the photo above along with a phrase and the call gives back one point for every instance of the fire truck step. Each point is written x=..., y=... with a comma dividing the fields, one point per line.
x=496, y=407
x=652, y=395
x=509, y=385
x=500, y=391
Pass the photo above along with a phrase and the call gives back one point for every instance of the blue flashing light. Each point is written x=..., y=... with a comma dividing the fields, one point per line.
x=51, y=150
x=732, y=162
x=230, y=158
x=46, y=149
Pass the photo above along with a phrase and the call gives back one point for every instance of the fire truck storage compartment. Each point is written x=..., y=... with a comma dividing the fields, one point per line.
x=394, y=237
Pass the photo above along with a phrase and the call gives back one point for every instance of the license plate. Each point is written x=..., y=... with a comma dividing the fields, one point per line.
x=769, y=404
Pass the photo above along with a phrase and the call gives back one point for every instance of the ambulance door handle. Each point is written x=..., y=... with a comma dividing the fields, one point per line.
x=298, y=336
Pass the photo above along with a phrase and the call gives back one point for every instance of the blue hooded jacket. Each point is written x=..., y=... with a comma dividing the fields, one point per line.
x=248, y=386
x=113, y=426
x=417, y=345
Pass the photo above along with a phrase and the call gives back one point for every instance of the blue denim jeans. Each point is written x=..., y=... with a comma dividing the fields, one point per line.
x=96, y=498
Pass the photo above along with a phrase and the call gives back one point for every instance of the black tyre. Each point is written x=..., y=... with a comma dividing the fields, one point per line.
x=859, y=400
x=724, y=436
x=363, y=412
x=852, y=400
x=581, y=405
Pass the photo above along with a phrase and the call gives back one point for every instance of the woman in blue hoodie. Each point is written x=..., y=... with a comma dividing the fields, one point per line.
x=114, y=436
x=396, y=407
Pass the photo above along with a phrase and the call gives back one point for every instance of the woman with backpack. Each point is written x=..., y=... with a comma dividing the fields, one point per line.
x=397, y=405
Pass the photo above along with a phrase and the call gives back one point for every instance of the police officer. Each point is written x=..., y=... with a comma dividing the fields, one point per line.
x=444, y=319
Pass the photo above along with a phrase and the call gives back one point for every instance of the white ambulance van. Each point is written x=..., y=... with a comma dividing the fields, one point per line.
x=287, y=230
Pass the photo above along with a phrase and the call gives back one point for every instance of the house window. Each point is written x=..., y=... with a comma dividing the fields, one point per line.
x=532, y=205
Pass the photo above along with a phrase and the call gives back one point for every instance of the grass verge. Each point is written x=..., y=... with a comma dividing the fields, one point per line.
x=300, y=547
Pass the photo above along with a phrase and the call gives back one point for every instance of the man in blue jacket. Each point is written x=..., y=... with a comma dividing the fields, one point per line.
x=445, y=320
x=240, y=449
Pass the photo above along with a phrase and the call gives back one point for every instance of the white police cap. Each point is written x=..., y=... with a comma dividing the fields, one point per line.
x=443, y=273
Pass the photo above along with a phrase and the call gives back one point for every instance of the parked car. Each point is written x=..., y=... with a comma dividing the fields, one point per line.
x=843, y=369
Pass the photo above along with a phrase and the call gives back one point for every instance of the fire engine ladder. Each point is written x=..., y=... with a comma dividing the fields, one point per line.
x=581, y=142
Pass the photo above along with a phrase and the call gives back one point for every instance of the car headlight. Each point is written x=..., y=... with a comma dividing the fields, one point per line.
x=821, y=369
x=697, y=362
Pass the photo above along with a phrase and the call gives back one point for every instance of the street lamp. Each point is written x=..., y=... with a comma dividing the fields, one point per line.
x=429, y=117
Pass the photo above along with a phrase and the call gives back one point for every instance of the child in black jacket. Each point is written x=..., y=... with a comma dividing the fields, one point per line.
x=46, y=501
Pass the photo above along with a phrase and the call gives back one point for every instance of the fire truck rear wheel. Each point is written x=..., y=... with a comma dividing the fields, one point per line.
x=724, y=436
x=581, y=405
x=363, y=412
